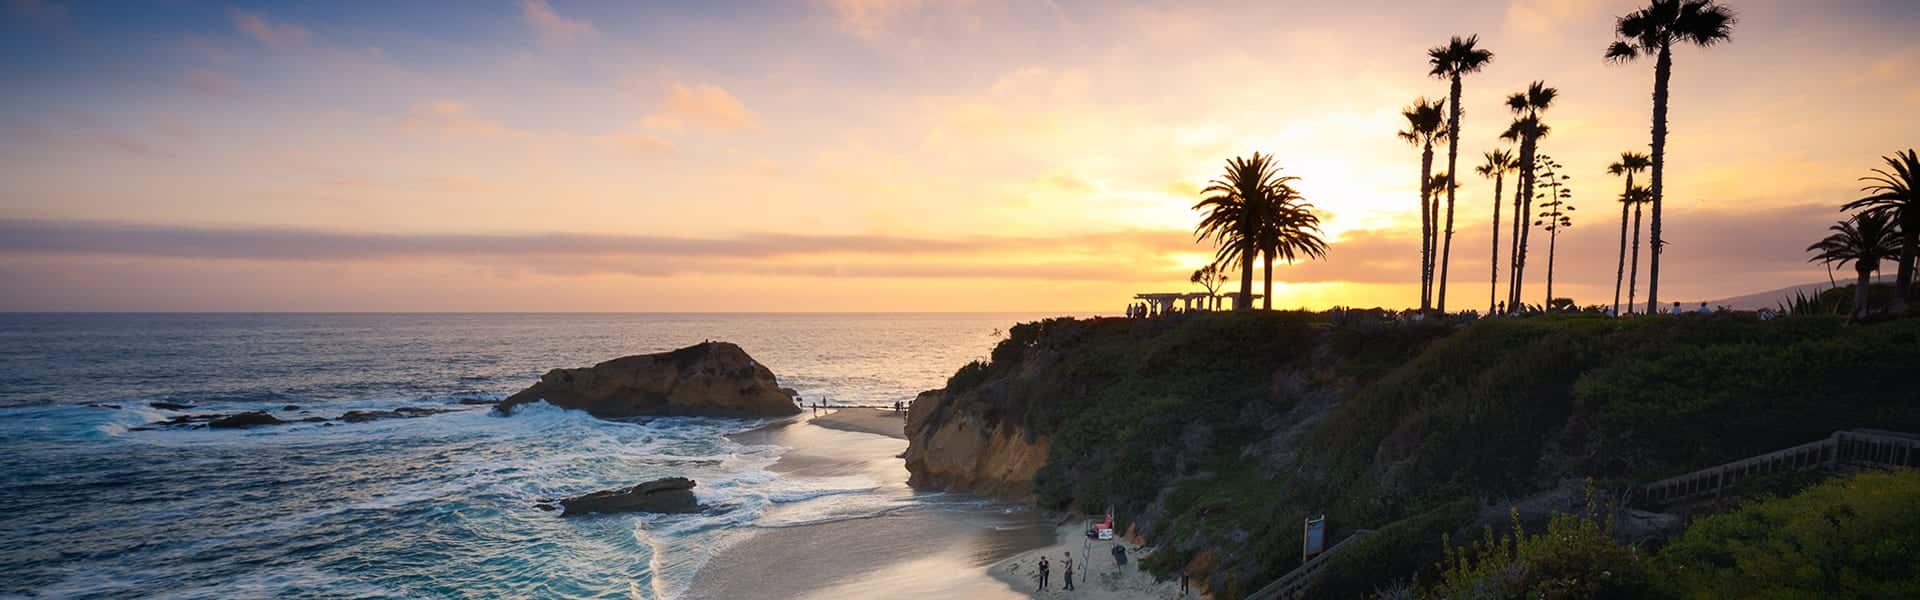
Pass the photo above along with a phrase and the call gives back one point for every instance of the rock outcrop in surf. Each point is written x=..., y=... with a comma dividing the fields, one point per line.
x=665, y=495
x=712, y=379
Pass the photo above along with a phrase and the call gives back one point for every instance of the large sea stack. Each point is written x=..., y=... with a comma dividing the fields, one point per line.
x=714, y=379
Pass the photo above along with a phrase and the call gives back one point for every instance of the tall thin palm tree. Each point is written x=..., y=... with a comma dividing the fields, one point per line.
x=1897, y=193
x=1289, y=231
x=1527, y=129
x=1864, y=240
x=1425, y=125
x=1235, y=205
x=1459, y=57
x=1498, y=164
x=1629, y=163
x=1640, y=196
x=1655, y=30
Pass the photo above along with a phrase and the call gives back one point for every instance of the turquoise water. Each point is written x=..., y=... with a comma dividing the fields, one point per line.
x=440, y=506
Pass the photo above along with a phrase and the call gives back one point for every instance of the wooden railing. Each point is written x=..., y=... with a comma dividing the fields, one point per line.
x=1296, y=582
x=1862, y=447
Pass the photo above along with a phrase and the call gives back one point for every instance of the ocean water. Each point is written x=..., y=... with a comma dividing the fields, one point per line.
x=438, y=506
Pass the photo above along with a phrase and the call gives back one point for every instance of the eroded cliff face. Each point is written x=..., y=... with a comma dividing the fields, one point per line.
x=954, y=447
x=714, y=379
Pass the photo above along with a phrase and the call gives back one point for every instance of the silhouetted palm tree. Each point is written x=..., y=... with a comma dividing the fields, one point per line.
x=1629, y=163
x=1655, y=30
x=1864, y=240
x=1458, y=57
x=1289, y=231
x=1527, y=129
x=1555, y=217
x=1640, y=196
x=1236, y=203
x=1897, y=193
x=1498, y=164
x=1425, y=125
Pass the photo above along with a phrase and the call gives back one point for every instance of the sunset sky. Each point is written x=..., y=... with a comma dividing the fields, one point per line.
x=871, y=155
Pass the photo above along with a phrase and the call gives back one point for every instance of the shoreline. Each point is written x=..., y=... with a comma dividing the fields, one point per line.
x=891, y=542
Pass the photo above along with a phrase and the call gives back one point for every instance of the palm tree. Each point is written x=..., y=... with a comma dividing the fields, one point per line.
x=1629, y=163
x=1236, y=203
x=1211, y=277
x=1864, y=239
x=1289, y=231
x=1424, y=127
x=1640, y=196
x=1654, y=30
x=1458, y=57
x=1499, y=163
x=1527, y=129
x=1897, y=193
x=1555, y=217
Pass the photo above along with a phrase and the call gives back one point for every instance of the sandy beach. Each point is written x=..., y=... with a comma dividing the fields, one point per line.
x=930, y=545
x=1095, y=574
x=877, y=421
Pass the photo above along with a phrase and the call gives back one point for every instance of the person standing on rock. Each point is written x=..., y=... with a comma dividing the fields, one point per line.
x=1043, y=575
x=1066, y=568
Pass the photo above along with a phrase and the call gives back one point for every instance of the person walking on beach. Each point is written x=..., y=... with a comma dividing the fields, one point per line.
x=1043, y=575
x=1066, y=568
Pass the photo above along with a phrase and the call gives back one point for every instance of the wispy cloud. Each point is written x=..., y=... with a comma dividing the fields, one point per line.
x=31, y=236
x=701, y=105
x=868, y=18
x=278, y=36
x=551, y=26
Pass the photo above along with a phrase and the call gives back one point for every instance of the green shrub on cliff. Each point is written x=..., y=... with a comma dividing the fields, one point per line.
x=1188, y=425
x=1848, y=538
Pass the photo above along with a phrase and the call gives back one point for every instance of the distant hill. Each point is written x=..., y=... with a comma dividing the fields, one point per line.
x=1773, y=298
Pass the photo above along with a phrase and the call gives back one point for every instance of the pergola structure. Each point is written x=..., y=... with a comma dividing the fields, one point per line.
x=1163, y=303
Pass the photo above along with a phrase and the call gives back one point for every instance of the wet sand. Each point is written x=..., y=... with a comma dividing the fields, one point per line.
x=928, y=545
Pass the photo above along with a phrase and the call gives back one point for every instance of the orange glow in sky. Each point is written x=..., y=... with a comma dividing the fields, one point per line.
x=872, y=155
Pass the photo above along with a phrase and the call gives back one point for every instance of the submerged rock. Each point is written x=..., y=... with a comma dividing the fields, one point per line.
x=713, y=379
x=245, y=419
x=169, y=405
x=404, y=412
x=668, y=495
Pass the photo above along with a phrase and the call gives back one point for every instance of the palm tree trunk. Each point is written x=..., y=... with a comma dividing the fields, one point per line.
x=1909, y=247
x=1513, y=252
x=1244, y=301
x=1266, y=301
x=1620, y=271
x=1865, y=270
x=1662, y=71
x=1426, y=229
x=1453, y=174
x=1633, y=276
x=1553, y=242
x=1527, y=182
x=1493, y=262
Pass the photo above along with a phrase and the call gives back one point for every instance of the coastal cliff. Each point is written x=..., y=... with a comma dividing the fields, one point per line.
x=952, y=448
x=712, y=379
x=1213, y=435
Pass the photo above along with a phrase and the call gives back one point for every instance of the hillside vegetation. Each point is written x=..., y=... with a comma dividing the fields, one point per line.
x=1212, y=435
